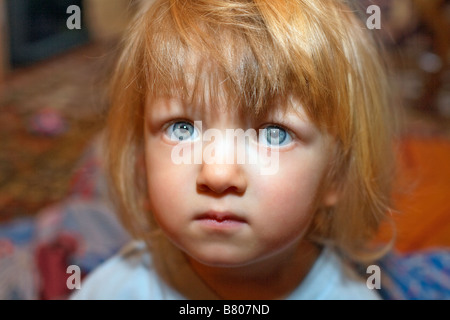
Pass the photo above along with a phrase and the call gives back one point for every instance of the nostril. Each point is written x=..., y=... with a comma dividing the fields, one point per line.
x=203, y=188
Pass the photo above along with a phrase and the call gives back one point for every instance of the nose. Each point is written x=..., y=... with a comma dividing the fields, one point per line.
x=221, y=178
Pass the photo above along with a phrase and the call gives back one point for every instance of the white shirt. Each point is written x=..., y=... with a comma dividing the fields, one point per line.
x=135, y=274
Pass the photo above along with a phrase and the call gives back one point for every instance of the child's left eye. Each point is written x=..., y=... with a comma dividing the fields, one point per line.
x=181, y=131
x=274, y=136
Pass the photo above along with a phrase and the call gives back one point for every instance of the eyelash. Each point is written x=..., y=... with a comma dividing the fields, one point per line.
x=169, y=130
x=193, y=134
x=287, y=135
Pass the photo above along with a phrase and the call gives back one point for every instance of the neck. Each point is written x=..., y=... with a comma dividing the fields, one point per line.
x=272, y=278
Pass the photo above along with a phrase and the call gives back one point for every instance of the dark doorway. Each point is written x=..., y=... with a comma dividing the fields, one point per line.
x=38, y=30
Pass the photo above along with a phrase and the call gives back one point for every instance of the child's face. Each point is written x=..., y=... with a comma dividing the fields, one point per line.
x=231, y=214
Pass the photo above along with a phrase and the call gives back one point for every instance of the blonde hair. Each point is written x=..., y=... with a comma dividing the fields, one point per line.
x=257, y=51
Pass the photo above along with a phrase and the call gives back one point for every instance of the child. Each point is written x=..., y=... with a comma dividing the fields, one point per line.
x=302, y=81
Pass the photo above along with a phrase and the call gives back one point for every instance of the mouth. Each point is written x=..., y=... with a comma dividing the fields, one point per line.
x=220, y=219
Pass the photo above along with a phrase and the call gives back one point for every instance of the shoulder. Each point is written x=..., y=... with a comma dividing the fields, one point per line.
x=128, y=275
x=348, y=284
x=331, y=278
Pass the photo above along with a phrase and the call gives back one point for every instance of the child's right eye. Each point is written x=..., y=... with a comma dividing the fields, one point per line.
x=181, y=131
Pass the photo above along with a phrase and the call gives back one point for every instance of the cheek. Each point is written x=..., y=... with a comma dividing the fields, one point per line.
x=286, y=206
x=289, y=199
x=294, y=186
x=162, y=181
x=170, y=186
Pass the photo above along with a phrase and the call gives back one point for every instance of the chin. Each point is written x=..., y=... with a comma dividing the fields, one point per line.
x=220, y=259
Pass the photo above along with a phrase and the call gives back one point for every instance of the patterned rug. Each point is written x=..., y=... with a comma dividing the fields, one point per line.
x=48, y=113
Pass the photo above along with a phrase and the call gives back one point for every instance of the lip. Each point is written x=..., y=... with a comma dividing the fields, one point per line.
x=220, y=219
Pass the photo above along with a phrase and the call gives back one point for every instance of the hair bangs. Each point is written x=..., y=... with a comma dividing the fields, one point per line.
x=228, y=61
x=237, y=54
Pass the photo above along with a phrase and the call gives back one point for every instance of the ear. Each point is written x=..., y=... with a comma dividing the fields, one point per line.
x=330, y=197
x=331, y=194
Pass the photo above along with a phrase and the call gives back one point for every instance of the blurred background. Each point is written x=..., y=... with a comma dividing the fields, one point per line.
x=54, y=209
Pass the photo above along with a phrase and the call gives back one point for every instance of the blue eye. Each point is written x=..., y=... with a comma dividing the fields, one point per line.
x=182, y=131
x=274, y=136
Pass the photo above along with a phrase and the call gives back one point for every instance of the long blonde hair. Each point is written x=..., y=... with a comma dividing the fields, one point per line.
x=257, y=51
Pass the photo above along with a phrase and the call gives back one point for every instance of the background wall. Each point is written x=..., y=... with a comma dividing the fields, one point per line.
x=3, y=41
x=103, y=20
x=106, y=19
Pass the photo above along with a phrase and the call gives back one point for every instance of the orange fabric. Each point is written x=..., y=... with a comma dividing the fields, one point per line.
x=423, y=194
